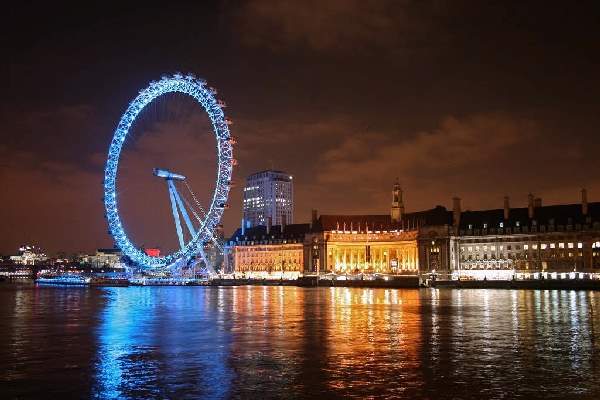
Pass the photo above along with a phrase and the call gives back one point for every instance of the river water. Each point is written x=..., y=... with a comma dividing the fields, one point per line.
x=288, y=342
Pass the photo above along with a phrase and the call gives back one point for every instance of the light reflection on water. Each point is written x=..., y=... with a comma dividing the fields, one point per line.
x=287, y=342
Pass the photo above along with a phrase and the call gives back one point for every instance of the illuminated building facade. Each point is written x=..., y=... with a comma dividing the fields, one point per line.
x=29, y=255
x=105, y=258
x=393, y=244
x=267, y=252
x=558, y=241
x=269, y=195
x=534, y=242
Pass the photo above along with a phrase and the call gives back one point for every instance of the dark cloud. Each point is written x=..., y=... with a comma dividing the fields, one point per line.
x=468, y=98
x=332, y=25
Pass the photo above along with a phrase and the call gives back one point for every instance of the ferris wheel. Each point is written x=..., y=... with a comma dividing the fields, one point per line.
x=202, y=224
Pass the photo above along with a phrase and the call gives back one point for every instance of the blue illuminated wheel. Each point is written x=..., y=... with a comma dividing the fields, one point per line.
x=204, y=95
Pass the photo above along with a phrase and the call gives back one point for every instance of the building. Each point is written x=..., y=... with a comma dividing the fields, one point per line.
x=533, y=242
x=29, y=255
x=536, y=241
x=105, y=258
x=269, y=195
x=267, y=251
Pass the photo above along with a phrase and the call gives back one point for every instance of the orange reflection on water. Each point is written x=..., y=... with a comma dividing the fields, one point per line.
x=374, y=334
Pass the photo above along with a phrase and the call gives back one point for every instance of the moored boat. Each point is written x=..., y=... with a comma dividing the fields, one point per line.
x=64, y=280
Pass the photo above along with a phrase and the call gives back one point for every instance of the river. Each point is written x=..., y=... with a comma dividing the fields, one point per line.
x=253, y=342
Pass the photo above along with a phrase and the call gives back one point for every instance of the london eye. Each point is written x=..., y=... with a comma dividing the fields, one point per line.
x=192, y=231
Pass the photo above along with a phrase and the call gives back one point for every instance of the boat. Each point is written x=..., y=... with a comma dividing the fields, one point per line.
x=64, y=280
x=101, y=281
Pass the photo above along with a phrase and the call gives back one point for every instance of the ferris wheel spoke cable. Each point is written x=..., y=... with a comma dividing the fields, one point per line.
x=212, y=236
x=189, y=188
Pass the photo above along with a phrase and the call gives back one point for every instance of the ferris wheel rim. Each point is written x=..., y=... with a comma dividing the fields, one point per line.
x=204, y=95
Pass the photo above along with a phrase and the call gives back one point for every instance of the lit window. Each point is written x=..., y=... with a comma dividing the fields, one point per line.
x=501, y=224
x=570, y=245
x=526, y=247
x=543, y=246
x=580, y=245
x=561, y=245
x=470, y=248
x=534, y=246
x=518, y=223
x=552, y=245
x=493, y=248
x=485, y=226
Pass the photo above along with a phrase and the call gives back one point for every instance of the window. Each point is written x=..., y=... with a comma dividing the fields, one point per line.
x=485, y=226
x=534, y=246
x=561, y=245
x=580, y=245
x=501, y=224
x=517, y=223
x=526, y=247
x=543, y=246
x=570, y=245
x=552, y=245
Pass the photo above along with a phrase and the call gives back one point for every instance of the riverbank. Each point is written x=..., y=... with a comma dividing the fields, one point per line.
x=399, y=282
x=566, y=284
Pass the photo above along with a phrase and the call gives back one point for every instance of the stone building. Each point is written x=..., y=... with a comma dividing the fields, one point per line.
x=267, y=252
x=369, y=244
x=532, y=242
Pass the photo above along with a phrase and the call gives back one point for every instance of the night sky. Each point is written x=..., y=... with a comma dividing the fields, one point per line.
x=476, y=99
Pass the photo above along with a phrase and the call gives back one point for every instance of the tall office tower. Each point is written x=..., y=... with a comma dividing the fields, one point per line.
x=269, y=194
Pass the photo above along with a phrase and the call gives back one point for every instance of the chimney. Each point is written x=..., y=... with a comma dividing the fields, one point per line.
x=538, y=202
x=584, y=202
x=530, y=205
x=243, y=227
x=314, y=217
x=283, y=222
x=456, y=212
x=269, y=223
x=506, y=208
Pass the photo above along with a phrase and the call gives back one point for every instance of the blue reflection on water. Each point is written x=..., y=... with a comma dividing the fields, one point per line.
x=162, y=342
